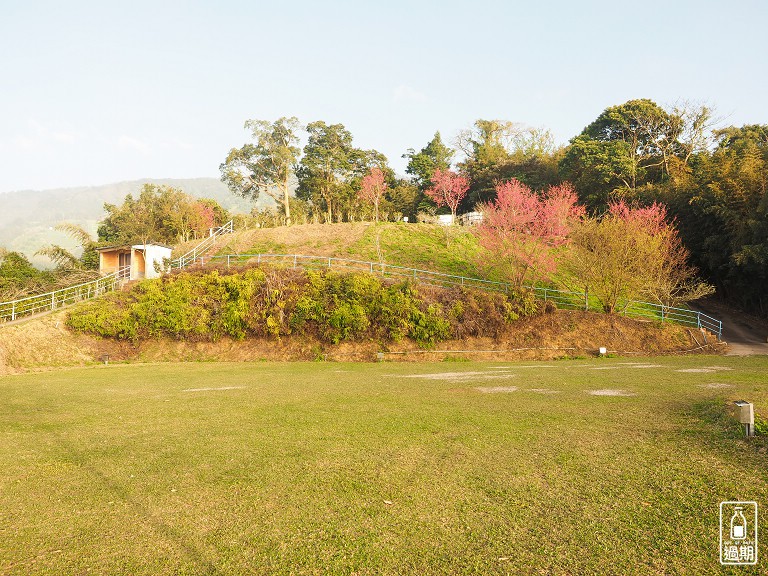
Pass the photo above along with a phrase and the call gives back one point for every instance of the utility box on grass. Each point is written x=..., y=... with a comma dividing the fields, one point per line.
x=746, y=415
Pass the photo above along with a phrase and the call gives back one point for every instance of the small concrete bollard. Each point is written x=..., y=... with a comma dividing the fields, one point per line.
x=380, y=356
x=603, y=350
x=104, y=358
x=746, y=416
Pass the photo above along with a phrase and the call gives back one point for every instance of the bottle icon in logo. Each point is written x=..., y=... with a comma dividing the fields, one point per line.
x=738, y=525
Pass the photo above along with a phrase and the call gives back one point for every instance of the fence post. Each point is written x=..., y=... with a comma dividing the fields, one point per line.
x=227, y=261
x=586, y=299
x=53, y=300
x=258, y=258
x=545, y=294
x=13, y=311
x=371, y=263
x=414, y=275
x=329, y=262
x=294, y=260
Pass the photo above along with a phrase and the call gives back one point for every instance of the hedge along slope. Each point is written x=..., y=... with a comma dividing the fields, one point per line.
x=274, y=302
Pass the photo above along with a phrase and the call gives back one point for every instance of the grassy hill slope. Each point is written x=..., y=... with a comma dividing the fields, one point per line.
x=452, y=250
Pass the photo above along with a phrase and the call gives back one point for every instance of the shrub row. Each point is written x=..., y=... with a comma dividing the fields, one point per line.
x=274, y=302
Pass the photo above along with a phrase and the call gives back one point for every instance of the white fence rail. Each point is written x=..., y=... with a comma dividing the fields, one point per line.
x=562, y=298
x=39, y=303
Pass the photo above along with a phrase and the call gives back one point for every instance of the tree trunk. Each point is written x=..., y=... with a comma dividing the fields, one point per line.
x=286, y=202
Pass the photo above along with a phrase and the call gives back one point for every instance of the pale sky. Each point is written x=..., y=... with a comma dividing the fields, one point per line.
x=94, y=92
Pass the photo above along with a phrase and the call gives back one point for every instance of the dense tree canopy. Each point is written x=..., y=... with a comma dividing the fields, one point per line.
x=496, y=151
x=712, y=183
x=268, y=164
x=632, y=149
x=19, y=278
x=723, y=215
x=422, y=166
x=327, y=168
x=160, y=214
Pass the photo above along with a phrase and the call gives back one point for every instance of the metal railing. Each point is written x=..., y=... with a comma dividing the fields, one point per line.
x=562, y=298
x=190, y=257
x=39, y=303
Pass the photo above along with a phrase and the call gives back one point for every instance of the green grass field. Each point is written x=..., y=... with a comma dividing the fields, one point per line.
x=391, y=468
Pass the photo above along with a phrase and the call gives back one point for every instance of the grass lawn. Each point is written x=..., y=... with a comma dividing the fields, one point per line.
x=447, y=249
x=391, y=468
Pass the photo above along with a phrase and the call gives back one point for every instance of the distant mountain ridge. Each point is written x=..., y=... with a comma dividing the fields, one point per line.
x=27, y=217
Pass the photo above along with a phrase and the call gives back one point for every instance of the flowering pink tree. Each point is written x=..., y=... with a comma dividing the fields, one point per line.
x=448, y=189
x=204, y=218
x=630, y=253
x=521, y=230
x=372, y=189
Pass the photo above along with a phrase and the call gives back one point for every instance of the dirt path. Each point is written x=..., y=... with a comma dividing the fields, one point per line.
x=746, y=335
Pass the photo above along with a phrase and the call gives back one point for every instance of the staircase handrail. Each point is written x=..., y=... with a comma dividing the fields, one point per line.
x=192, y=255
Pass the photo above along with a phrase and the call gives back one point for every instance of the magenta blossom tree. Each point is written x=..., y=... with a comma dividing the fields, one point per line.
x=522, y=229
x=372, y=189
x=448, y=189
x=633, y=253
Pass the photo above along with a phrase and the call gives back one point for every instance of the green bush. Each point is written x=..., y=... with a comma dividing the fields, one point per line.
x=346, y=321
x=273, y=302
x=430, y=327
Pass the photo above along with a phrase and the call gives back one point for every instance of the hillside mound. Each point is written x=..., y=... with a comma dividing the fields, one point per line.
x=447, y=249
x=428, y=324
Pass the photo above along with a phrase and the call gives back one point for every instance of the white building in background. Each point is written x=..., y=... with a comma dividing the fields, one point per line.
x=471, y=218
x=141, y=259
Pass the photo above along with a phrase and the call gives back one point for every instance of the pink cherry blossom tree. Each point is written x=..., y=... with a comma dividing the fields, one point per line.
x=372, y=189
x=521, y=230
x=448, y=189
x=633, y=253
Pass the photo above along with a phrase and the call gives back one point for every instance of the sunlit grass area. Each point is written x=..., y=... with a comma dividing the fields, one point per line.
x=605, y=466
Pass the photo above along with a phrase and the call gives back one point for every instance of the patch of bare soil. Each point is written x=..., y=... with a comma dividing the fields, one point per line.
x=705, y=369
x=610, y=392
x=463, y=376
x=44, y=343
x=497, y=389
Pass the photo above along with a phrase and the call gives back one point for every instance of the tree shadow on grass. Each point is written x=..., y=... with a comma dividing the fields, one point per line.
x=202, y=565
